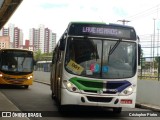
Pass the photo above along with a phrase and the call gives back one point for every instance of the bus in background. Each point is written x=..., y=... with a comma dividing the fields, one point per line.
x=95, y=64
x=43, y=66
x=16, y=67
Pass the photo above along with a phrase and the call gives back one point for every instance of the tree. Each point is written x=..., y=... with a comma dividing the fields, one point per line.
x=42, y=57
x=38, y=55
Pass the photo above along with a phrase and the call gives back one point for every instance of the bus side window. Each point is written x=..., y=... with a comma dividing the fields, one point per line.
x=53, y=57
x=56, y=55
x=139, y=54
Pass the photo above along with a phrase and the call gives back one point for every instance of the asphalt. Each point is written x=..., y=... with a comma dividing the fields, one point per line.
x=7, y=106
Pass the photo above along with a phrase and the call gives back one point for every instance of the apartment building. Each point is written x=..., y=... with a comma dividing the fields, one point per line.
x=42, y=39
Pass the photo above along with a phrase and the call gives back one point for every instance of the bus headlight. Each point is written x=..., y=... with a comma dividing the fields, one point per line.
x=70, y=86
x=1, y=75
x=30, y=77
x=128, y=90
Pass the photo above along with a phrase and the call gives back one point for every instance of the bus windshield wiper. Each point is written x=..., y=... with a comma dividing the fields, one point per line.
x=114, y=47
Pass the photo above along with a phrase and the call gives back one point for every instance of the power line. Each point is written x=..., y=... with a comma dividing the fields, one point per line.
x=147, y=12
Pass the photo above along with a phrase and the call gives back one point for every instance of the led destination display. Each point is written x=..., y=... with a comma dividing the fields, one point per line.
x=103, y=30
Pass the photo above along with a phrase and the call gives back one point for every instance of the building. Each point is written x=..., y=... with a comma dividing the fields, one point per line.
x=15, y=34
x=52, y=43
x=42, y=39
x=33, y=37
x=27, y=45
x=4, y=42
x=4, y=32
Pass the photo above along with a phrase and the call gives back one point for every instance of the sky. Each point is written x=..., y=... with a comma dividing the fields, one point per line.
x=56, y=14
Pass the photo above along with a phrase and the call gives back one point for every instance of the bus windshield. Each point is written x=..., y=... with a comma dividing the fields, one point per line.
x=16, y=61
x=93, y=58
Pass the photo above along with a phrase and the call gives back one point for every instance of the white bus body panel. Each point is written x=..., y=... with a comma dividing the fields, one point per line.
x=71, y=98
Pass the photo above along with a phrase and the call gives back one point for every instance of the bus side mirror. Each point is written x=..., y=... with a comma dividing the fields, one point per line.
x=139, y=54
x=62, y=44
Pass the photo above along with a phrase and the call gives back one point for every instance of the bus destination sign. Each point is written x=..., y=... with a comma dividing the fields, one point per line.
x=103, y=30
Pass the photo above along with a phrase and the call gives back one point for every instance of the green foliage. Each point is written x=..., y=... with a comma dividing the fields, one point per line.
x=38, y=56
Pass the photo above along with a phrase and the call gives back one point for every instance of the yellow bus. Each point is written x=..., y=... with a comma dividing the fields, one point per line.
x=16, y=67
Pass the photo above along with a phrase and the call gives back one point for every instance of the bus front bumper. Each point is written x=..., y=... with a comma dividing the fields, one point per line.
x=71, y=98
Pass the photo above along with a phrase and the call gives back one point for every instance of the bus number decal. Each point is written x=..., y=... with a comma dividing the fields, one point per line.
x=74, y=67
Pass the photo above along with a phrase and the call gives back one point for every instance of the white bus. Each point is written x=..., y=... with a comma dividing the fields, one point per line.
x=95, y=64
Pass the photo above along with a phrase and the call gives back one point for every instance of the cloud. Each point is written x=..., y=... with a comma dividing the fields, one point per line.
x=120, y=12
x=56, y=14
x=53, y=6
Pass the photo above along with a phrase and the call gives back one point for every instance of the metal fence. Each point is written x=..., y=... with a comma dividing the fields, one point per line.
x=149, y=68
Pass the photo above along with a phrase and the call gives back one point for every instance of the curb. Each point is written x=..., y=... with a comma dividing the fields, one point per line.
x=41, y=82
x=146, y=106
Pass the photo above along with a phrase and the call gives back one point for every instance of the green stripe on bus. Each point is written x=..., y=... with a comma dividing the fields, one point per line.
x=86, y=84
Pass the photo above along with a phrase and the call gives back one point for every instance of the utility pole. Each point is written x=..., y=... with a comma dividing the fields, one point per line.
x=157, y=43
x=153, y=42
x=151, y=55
x=123, y=21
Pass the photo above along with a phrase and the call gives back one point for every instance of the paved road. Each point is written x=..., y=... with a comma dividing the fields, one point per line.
x=38, y=99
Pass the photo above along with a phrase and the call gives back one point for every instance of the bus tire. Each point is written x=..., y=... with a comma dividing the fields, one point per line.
x=26, y=86
x=117, y=110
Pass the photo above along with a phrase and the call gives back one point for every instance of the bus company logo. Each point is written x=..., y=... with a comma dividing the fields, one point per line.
x=100, y=92
x=6, y=114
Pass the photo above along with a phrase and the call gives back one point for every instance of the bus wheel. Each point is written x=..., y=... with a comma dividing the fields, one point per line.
x=26, y=86
x=117, y=110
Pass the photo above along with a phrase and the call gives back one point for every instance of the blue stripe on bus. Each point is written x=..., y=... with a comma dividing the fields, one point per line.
x=119, y=86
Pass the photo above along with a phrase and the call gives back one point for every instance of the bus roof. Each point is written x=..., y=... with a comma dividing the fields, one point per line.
x=83, y=22
x=18, y=49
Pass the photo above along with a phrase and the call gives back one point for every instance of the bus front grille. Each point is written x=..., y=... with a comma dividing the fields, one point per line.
x=10, y=78
x=103, y=92
x=13, y=80
x=99, y=99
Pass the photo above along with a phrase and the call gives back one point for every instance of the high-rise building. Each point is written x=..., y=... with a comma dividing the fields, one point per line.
x=15, y=34
x=33, y=37
x=42, y=39
x=4, y=42
x=52, y=43
x=4, y=32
